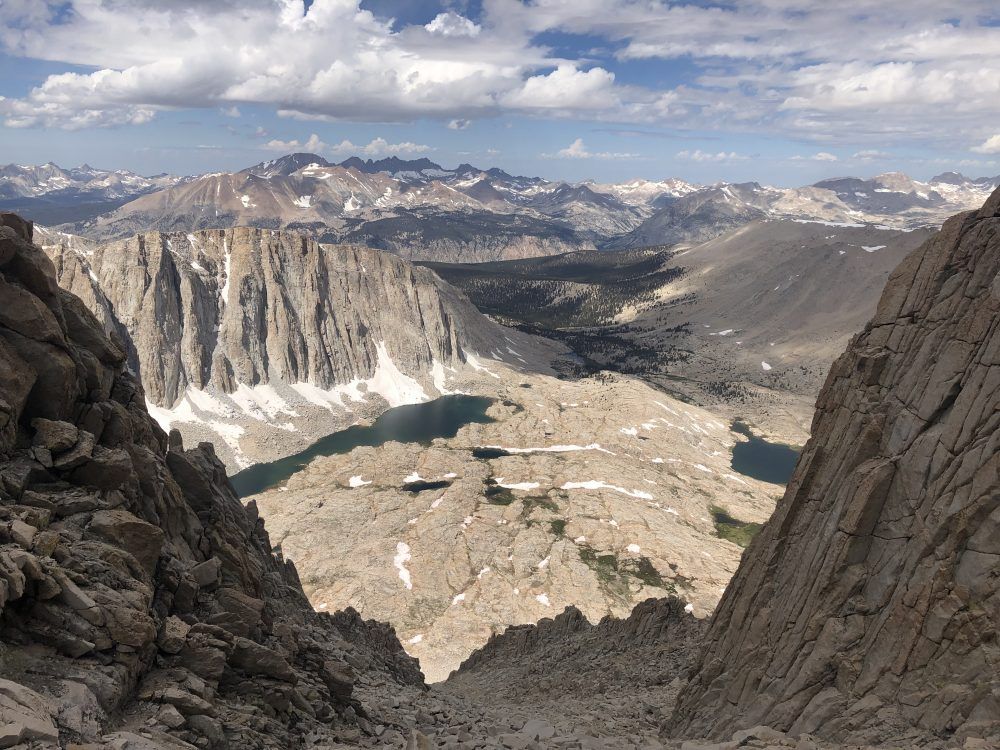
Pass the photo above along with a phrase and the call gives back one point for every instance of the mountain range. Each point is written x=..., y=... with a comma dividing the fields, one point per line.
x=422, y=211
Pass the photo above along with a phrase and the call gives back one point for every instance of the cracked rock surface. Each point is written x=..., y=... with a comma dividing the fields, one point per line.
x=871, y=599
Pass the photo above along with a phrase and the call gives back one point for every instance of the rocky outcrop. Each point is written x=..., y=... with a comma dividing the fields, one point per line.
x=868, y=607
x=244, y=335
x=140, y=603
x=243, y=305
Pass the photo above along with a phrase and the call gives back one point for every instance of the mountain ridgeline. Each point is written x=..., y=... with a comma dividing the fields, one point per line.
x=422, y=211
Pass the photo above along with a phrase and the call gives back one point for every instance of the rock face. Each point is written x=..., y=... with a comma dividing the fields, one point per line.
x=243, y=329
x=869, y=605
x=137, y=595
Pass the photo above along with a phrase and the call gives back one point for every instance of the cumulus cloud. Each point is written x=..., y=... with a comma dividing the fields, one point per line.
x=821, y=156
x=376, y=147
x=990, y=146
x=871, y=154
x=704, y=156
x=578, y=150
x=452, y=24
x=459, y=124
x=565, y=88
x=809, y=69
x=332, y=61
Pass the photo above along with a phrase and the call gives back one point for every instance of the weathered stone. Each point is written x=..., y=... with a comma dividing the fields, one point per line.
x=255, y=659
x=54, y=436
x=141, y=539
x=173, y=633
x=79, y=454
x=206, y=574
x=109, y=469
x=169, y=716
x=25, y=716
x=21, y=533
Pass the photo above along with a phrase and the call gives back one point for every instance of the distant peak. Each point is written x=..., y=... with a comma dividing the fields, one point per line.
x=391, y=164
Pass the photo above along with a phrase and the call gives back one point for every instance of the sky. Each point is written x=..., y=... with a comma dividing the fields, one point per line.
x=785, y=92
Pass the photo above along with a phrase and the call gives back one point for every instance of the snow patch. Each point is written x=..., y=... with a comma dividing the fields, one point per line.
x=399, y=561
x=554, y=449
x=357, y=481
x=395, y=387
x=593, y=484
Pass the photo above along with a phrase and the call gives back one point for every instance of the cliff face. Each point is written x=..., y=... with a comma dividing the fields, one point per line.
x=870, y=603
x=249, y=305
x=136, y=592
x=262, y=341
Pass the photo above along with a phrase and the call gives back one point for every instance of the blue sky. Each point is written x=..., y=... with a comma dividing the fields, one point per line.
x=785, y=93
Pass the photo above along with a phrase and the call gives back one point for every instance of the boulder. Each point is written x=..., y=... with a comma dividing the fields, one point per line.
x=25, y=716
x=81, y=452
x=109, y=469
x=172, y=635
x=255, y=659
x=137, y=537
x=206, y=574
x=54, y=436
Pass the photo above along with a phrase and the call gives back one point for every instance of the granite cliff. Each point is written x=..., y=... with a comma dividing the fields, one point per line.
x=870, y=603
x=251, y=336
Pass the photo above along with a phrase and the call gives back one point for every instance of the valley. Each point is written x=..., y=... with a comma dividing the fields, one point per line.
x=747, y=323
x=598, y=492
x=512, y=436
x=499, y=375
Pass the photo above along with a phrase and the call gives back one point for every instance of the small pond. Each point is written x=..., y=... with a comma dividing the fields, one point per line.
x=415, y=423
x=759, y=459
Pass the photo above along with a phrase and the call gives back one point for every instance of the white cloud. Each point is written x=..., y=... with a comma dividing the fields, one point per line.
x=459, y=124
x=853, y=72
x=452, y=24
x=233, y=111
x=376, y=147
x=565, y=88
x=821, y=156
x=578, y=150
x=703, y=156
x=990, y=146
x=314, y=144
x=871, y=154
